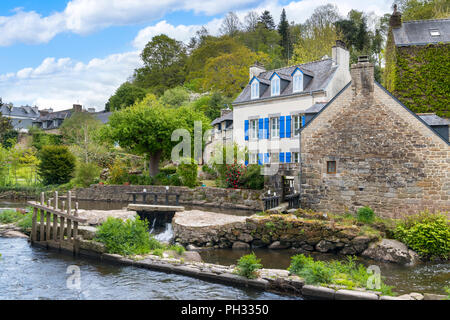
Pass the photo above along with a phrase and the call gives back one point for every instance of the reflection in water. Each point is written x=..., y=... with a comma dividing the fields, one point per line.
x=33, y=273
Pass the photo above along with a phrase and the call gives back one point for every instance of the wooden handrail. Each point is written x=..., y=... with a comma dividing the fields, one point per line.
x=36, y=205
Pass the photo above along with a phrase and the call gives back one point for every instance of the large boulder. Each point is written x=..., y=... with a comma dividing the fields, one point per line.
x=393, y=251
x=240, y=246
x=277, y=245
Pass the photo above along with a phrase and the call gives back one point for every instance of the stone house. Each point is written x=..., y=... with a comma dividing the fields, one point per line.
x=221, y=133
x=21, y=117
x=366, y=148
x=272, y=107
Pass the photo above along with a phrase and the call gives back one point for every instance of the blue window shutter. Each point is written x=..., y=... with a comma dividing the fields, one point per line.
x=303, y=121
x=288, y=157
x=260, y=158
x=266, y=128
x=246, y=162
x=261, y=128
x=288, y=126
x=281, y=157
x=282, y=127
x=266, y=158
x=246, y=129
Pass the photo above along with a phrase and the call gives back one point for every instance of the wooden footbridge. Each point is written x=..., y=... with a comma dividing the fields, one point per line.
x=54, y=226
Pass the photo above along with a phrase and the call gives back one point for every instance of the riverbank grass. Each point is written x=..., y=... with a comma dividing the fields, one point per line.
x=10, y=216
x=341, y=273
x=248, y=266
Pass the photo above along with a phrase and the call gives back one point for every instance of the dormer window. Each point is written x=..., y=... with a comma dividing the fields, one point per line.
x=298, y=81
x=255, y=89
x=435, y=33
x=275, y=85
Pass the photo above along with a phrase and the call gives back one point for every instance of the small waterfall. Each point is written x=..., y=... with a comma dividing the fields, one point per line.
x=166, y=235
x=152, y=229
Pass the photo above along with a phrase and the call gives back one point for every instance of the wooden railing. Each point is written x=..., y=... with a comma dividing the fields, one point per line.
x=58, y=227
x=155, y=195
x=271, y=202
x=293, y=200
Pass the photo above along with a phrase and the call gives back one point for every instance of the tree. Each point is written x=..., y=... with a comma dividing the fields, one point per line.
x=283, y=30
x=164, y=67
x=57, y=164
x=211, y=105
x=423, y=9
x=231, y=25
x=267, y=20
x=79, y=130
x=228, y=73
x=175, y=97
x=7, y=132
x=126, y=95
x=251, y=21
x=147, y=127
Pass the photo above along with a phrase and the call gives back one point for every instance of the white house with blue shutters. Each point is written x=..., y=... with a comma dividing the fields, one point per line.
x=276, y=103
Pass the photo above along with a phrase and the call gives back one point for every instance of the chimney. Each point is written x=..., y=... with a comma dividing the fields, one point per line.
x=395, y=21
x=225, y=111
x=77, y=108
x=340, y=54
x=362, y=77
x=256, y=69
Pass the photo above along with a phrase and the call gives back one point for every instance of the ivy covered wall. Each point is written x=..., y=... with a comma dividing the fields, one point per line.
x=419, y=76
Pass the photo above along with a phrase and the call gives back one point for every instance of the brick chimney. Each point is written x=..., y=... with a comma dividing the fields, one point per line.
x=256, y=69
x=362, y=77
x=77, y=108
x=395, y=21
x=225, y=111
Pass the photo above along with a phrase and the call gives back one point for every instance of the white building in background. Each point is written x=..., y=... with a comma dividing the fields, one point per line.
x=221, y=135
x=276, y=103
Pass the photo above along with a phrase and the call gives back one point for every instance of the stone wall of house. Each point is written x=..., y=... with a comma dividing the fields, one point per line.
x=386, y=158
x=200, y=196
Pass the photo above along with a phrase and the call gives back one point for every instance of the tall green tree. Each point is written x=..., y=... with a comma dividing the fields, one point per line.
x=164, y=67
x=267, y=20
x=126, y=95
x=423, y=9
x=283, y=30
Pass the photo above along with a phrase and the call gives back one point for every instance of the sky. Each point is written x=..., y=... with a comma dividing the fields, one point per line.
x=56, y=53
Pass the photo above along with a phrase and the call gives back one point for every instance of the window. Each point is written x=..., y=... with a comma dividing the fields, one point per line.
x=295, y=157
x=275, y=86
x=435, y=32
x=331, y=166
x=297, y=124
x=253, y=129
x=274, y=157
x=275, y=127
x=255, y=89
x=298, y=81
x=253, y=157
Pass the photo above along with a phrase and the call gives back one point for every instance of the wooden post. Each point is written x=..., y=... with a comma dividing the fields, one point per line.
x=34, y=225
x=41, y=220
x=55, y=219
x=69, y=212
x=76, y=242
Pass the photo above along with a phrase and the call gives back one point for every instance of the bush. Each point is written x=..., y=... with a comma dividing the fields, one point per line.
x=118, y=173
x=57, y=165
x=365, y=215
x=426, y=233
x=168, y=170
x=128, y=237
x=187, y=171
x=347, y=273
x=86, y=174
x=252, y=178
x=10, y=216
x=233, y=175
x=248, y=266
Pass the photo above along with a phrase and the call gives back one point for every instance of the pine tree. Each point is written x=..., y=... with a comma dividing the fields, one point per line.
x=267, y=20
x=283, y=30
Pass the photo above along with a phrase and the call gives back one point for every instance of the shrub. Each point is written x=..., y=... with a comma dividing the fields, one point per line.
x=248, y=266
x=252, y=178
x=86, y=174
x=365, y=214
x=118, y=173
x=426, y=233
x=125, y=237
x=10, y=216
x=346, y=273
x=57, y=165
x=178, y=249
x=187, y=171
x=233, y=175
x=168, y=170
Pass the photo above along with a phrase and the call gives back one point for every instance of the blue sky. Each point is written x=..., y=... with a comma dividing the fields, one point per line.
x=55, y=53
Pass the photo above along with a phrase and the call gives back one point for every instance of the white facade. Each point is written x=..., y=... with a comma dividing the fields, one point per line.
x=278, y=112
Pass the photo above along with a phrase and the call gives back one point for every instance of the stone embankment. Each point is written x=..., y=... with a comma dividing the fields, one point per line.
x=205, y=229
x=242, y=199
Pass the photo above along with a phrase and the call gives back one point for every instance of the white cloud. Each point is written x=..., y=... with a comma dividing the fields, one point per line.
x=59, y=83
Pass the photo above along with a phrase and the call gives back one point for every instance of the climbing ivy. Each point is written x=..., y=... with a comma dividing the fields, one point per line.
x=418, y=76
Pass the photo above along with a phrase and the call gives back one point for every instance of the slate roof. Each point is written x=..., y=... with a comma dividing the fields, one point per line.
x=24, y=111
x=228, y=116
x=321, y=72
x=315, y=108
x=418, y=32
x=433, y=120
x=63, y=114
x=103, y=116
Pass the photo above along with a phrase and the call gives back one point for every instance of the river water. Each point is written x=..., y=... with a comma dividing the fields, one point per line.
x=133, y=283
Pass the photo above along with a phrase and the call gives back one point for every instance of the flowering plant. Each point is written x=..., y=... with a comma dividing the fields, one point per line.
x=233, y=175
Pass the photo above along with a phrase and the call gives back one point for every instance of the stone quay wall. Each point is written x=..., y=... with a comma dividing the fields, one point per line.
x=275, y=232
x=241, y=199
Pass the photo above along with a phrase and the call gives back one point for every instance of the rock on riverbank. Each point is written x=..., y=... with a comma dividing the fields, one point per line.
x=388, y=250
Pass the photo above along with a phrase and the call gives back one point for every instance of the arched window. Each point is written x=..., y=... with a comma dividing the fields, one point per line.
x=298, y=81
x=275, y=85
x=255, y=89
